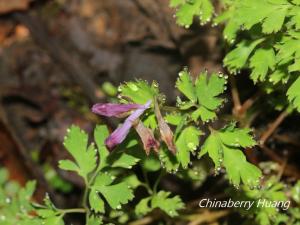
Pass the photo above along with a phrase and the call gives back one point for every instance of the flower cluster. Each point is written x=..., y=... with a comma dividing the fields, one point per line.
x=134, y=111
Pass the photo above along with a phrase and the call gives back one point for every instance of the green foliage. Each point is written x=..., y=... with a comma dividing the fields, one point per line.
x=293, y=94
x=76, y=143
x=138, y=92
x=264, y=35
x=187, y=143
x=203, y=95
x=271, y=192
x=162, y=201
x=187, y=9
x=114, y=194
x=223, y=147
x=15, y=207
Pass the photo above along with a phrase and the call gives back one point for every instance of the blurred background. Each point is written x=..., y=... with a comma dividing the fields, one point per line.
x=58, y=57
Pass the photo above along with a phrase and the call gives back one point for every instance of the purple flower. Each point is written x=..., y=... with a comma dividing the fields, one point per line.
x=147, y=137
x=122, y=131
x=112, y=109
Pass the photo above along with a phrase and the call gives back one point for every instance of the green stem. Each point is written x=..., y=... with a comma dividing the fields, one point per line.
x=85, y=199
x=158, y=181
x=79, y=210
x=147, y=183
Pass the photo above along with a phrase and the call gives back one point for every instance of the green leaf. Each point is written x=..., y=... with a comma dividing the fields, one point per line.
x=236, y=137
x=288, y=49
x=204, y=113
x=100, y=134
x=120, y=158
x=96, y=203
x=213, y=147
x=94, y=220
x=142, y=208
x=186, y=10
x=151, y=163
x=237, y=58
x=279, y=75
x=261, y=62
x=45, y=213
x=208, y=88
x=173, y=119
x=169, y=161
x=115, y=194
x=203, y=95
x=55, y=220
x=68, y=165
x=296, y=192
x=295, y=17
x=187, y=143
x=294, y=94
x=238, y=169
x=168, y=205
x=273, y=21
x=185, y=85
x=76, y=143
x=270, y=14
x=132, y=180
x=139, y=91
x=223, y=147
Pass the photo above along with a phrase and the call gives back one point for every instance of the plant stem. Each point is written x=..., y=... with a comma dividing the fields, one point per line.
x=157, y=181
x=273, y=126
x=146, y=184
x=147, y=187
x=85, y=199
x=79, y=210
x=235, y=95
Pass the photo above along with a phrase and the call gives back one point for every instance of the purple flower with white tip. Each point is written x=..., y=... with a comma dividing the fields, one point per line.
x=118, y=110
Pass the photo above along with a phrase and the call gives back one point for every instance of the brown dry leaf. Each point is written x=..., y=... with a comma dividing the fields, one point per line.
x=7, y=6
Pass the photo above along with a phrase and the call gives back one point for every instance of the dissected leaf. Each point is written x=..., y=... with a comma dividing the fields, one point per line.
x=76, y=143
x=142, y=208
x=168, y=205
x=236, y=59
x=186, y=10
x=261, y=62
x=187, y=143
x=208, y=88
x=223, y=147
x=115, y=194
x=139, y=91
x=185, y=84
x=294, y=94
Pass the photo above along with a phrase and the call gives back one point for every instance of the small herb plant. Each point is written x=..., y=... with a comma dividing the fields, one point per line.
x=160, y=140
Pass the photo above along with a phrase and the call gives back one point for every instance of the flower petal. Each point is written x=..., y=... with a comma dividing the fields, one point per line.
x=164, y=129
x=122, y=131
x=112, y=109
x=147, y=137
